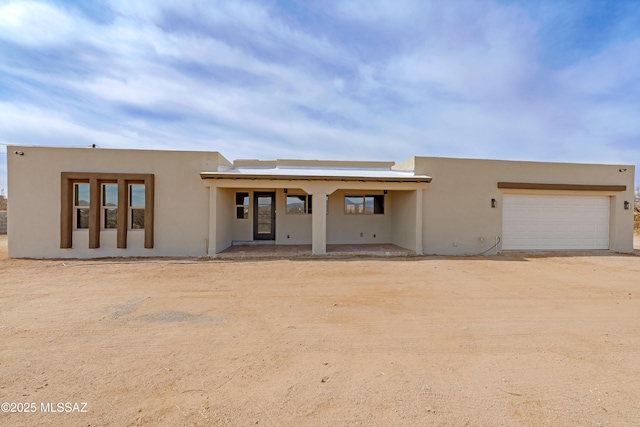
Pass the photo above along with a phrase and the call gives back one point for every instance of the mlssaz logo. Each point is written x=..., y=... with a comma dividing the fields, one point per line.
x=63, y=407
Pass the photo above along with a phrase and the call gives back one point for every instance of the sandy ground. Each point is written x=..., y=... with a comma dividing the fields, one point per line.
x=506, y=340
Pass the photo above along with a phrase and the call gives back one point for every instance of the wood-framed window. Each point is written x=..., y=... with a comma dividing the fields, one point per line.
x=368, y=204
x=136, y=206
x=109, y=200
x=81, y=198
x=110, y=206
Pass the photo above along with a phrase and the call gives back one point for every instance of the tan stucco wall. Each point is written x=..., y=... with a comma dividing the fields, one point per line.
x=181, y=201
x=457, y=214
x=225, y=212
x=242, y=228
x=354, y=229
x=402, y=208
x=291, y=229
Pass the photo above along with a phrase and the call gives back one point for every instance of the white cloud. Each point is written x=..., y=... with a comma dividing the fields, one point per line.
x=479, y=53
x=34, y=24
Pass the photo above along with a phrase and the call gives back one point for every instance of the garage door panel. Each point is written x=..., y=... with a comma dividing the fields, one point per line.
x=555, y=222
x=577, y=228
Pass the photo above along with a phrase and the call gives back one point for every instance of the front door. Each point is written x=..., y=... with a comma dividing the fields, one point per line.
x=264, y=216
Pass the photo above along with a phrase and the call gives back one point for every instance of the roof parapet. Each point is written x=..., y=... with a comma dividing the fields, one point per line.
x=323, y=164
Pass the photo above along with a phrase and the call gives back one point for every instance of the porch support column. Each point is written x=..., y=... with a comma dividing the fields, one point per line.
x=419, y=229
x=213, y=205
x=319, y=224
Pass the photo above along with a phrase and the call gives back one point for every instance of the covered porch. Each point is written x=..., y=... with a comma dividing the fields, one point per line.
x=321, y=209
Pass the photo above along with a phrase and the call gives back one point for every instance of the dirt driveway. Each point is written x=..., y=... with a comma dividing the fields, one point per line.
x=506, y=340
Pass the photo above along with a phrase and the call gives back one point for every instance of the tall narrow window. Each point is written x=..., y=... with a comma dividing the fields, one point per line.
x=242, y=205
x=136, y=206
x=110, y=206
x=81, y=205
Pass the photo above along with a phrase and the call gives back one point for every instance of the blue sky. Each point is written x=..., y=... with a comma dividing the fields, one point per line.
x=554, y=80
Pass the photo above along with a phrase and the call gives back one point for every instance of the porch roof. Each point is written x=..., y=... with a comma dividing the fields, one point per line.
x=317, y=174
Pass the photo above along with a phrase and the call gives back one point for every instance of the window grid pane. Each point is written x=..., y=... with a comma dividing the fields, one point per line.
x=110, y=195
x=137, y=219
x=82, y=218
x=110, y=218
x=82, y=195
x=353, y=204
x=368, y=205
x=378, y=204
x=239, y=212
x=136, y=196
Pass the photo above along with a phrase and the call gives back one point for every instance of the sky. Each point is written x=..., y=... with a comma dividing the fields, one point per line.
x=555, y=80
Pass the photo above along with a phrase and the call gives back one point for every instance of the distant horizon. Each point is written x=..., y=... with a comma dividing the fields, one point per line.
x=547, y=81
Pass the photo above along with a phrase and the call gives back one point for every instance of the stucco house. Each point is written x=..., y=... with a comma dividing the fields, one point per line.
x=92, y=202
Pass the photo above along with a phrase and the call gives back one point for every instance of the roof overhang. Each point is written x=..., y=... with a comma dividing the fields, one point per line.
x=306, y=175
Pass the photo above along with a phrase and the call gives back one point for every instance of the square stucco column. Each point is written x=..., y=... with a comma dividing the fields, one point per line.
x=213, y=206
x=319, y=224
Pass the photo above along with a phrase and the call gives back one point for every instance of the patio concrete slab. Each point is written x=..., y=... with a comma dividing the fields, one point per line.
x=304, y=251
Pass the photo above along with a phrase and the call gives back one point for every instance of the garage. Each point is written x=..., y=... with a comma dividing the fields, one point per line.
x=555, y=222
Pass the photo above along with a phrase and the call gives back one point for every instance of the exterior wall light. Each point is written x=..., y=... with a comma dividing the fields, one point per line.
x=626, y=205
x=494, y=203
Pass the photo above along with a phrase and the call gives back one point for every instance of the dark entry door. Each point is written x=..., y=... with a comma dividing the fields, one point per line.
x=264, y=216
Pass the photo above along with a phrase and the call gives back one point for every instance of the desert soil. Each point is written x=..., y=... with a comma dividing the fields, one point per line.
x=517, y=339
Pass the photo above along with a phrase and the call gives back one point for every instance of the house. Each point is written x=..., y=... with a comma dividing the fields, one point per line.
x=92, y=202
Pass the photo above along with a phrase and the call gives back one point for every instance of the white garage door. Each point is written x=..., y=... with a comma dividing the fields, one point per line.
x=553, y=222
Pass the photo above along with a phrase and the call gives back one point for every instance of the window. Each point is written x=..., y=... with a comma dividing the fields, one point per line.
x=298, y=204
x=98, y=201
x=242, y=205
x=110, y=206
x=302, y=204
x=368, y=205
x=374, y=204
x=81, y=205
x=353, y=204
x=136, y=206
